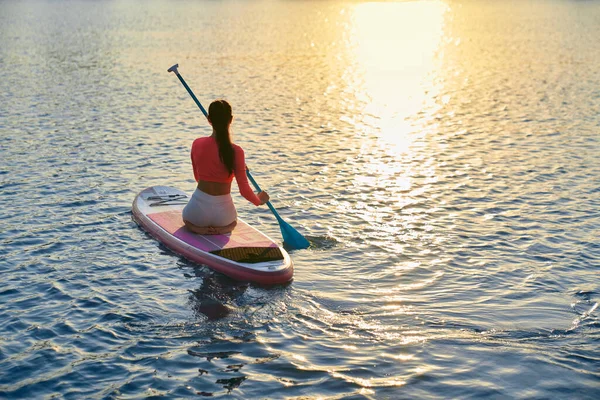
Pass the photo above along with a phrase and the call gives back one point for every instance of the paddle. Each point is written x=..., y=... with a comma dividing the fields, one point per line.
x=291, y=237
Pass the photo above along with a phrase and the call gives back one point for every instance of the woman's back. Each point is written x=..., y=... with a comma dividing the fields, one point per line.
x=206, y=162
x=212, y=175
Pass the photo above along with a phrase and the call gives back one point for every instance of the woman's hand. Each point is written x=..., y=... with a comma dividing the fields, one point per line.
x=263, y=197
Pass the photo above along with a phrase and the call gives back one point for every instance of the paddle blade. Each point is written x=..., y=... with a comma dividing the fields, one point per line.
x=292, y=239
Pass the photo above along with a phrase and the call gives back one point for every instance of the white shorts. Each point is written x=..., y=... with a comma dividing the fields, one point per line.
x=206, y=210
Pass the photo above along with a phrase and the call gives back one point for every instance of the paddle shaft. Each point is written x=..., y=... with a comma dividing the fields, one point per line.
x=273, y=210
x=192, y=94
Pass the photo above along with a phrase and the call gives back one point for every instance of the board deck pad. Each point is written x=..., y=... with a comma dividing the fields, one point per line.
x=250, y=255
x=243, y=236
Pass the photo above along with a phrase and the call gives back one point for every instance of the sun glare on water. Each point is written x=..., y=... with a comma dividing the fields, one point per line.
x=394, y=76
x=394, y=47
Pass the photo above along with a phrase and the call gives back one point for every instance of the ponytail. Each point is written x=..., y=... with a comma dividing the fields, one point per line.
x=219, y=113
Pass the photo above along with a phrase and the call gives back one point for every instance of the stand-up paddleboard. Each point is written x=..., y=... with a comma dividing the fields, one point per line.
x=245, y=254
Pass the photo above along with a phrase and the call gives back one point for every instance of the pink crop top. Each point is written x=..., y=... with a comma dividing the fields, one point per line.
x=208, y=166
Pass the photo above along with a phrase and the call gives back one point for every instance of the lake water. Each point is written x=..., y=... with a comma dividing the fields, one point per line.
x=441, y=156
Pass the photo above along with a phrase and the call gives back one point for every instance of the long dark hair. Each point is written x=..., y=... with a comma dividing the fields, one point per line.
x=219, y=114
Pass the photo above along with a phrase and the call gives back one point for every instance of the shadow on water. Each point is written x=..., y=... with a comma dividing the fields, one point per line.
x=216, y=293
x=218, y=296
x=235, y=312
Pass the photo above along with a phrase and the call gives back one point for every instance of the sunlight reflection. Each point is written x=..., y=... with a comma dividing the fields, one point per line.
x=369, y=382
x=396, y=49
x=395, y=45
x=401, y=357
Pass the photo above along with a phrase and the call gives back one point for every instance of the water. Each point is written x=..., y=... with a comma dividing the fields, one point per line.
x=442, y=157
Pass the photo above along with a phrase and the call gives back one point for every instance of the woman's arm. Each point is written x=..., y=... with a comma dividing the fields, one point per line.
x=193, y=162
x=242, y=179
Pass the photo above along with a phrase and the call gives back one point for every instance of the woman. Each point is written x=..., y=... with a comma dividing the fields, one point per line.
x=216, y=160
